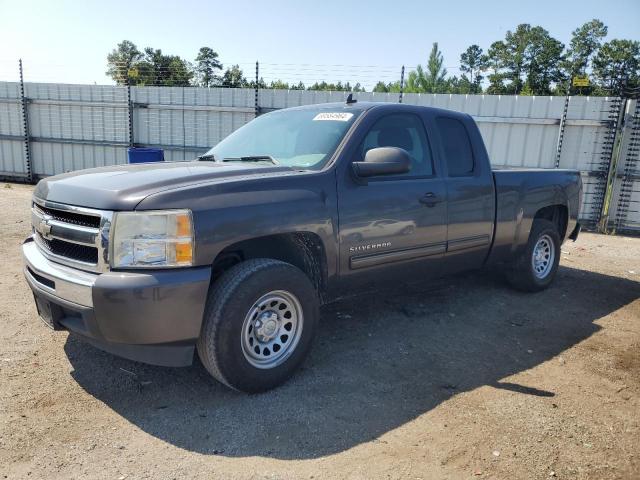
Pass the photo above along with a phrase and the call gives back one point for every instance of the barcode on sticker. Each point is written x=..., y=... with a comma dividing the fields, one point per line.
x=335, y=116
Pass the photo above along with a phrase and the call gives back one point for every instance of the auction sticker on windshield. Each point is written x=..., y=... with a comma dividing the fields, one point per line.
x=335, y=116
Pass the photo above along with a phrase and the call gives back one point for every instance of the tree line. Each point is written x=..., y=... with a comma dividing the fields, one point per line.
x=126, y=64
x=528, y=61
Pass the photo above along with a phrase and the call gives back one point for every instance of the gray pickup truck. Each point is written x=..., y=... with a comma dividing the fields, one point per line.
x=231, y=255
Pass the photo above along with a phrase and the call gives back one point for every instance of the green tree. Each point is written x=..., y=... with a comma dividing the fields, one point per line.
x=510, y=57
x=394, y=87
x=435, y=75
x=527, y=56
x=252, y=83
x=207, y=67
x=585, y=42
x=279, y=85
x=462, y=85
x=527, y=91
x=128, y=64
x=431, y=80
x=473, y=62
x=121, y=60
x=180, y=72
x=543, y=62
x=336, y=87
x=234, y=78
x=163, y=70
x=380, y=87
x=495, y=60
x=617, y=64
x=415, y=82
x=322, y=86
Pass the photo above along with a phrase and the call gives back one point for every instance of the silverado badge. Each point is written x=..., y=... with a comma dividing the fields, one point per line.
x=370, y=246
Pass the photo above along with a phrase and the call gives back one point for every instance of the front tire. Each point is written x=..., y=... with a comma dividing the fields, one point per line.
x=536, y=267
x=258, y=326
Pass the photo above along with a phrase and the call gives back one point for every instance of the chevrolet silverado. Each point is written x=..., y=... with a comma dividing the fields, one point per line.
x=230, y=255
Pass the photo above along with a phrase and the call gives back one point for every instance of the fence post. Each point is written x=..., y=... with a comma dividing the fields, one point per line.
x=563, y=123
x=613, y=166
x=256, y=107
x=401, y=84
x=130, y=111
x=25, y=125
x=626, y=178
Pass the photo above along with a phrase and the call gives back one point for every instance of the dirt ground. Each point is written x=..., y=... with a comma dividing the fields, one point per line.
x=461, y=378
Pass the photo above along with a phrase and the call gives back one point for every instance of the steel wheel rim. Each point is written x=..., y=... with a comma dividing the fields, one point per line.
x=544, y=253
x=272, y=329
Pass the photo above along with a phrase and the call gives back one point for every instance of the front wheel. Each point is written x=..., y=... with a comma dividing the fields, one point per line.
x=258, y=326
x=536, y=267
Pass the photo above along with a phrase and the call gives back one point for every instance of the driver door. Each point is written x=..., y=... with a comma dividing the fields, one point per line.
x=393, y=225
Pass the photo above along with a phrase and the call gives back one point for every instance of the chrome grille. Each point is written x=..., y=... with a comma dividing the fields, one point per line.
x=70, y=217
x=74, y=236
x=81, y=253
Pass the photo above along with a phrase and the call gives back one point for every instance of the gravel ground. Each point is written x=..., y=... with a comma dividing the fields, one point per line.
x=461, y=378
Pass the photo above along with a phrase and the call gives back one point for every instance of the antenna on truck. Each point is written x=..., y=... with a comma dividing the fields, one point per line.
x=350, y=99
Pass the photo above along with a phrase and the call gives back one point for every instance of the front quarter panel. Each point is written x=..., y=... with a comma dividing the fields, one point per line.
x=225, y=213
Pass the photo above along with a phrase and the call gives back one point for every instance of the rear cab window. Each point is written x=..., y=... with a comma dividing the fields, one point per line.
x=457, y=148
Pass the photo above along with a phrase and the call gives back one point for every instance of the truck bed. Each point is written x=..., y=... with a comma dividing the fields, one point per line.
x=520, y=192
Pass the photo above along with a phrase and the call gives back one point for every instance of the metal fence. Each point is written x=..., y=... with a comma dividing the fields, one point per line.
x=51, y=128
x=624, y=211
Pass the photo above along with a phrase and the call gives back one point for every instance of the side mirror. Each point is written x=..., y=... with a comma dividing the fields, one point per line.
x=383, y=161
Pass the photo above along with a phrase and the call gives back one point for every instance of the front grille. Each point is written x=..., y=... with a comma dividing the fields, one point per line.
x=74, y=236
x=70, y=217
x=73, y=251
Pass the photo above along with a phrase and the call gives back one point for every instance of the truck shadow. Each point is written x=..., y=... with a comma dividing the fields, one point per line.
x=379, y=361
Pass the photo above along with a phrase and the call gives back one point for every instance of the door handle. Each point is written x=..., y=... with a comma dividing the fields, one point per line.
x=429, y=199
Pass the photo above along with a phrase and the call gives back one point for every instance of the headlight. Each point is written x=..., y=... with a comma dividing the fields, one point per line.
x=150, y=239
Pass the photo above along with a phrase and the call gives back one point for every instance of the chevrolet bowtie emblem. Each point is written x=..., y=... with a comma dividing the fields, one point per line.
x=44, y=228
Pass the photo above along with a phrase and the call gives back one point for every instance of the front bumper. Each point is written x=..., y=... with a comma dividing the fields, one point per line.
x=152, y=317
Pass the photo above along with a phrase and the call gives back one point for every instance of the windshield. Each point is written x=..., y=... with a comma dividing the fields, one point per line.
x=303, y=139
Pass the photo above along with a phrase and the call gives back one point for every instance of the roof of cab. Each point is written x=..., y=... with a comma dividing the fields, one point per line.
x=363, y=106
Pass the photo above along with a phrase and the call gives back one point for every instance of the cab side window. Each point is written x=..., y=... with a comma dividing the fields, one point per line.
x=404, y=131
x=457, y=147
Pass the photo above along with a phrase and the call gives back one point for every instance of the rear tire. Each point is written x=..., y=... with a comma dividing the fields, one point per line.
x=536, y=267
x=258, y=326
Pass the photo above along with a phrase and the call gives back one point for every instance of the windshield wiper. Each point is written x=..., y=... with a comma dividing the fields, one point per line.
x=210, y=157
x=252, y=158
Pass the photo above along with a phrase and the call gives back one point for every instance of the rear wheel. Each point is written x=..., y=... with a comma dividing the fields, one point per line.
x=259, y=322
x=536, y=267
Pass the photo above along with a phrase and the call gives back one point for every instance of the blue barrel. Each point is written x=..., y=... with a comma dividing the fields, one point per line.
x=145, y=155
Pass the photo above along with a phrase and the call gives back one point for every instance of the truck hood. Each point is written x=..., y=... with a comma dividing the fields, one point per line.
x=122, y=187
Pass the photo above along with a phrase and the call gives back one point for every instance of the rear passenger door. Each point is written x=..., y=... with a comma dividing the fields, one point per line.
x=470, y=193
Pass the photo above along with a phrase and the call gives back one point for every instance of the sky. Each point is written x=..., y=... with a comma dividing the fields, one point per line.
x=68, y=41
